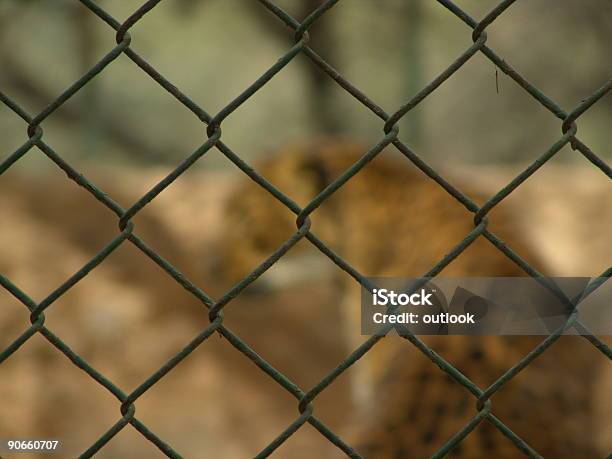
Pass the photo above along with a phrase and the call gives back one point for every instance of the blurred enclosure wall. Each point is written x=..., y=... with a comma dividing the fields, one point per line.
x=213, y=49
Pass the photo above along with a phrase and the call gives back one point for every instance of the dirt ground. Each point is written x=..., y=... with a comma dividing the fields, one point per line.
x=128, y=317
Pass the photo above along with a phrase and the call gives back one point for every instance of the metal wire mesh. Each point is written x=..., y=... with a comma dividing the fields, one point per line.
x=389, y=136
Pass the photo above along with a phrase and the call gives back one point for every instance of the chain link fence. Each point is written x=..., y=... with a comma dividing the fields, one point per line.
x=390, y=135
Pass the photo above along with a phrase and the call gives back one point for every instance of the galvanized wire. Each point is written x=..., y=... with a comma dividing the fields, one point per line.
x=389, y=136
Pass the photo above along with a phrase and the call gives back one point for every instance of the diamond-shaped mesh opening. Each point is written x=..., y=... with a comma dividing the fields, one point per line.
x=581, y=72
x=38, y=379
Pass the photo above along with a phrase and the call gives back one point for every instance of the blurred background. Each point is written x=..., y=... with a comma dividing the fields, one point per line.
x=389, y=49
x=126, y=133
